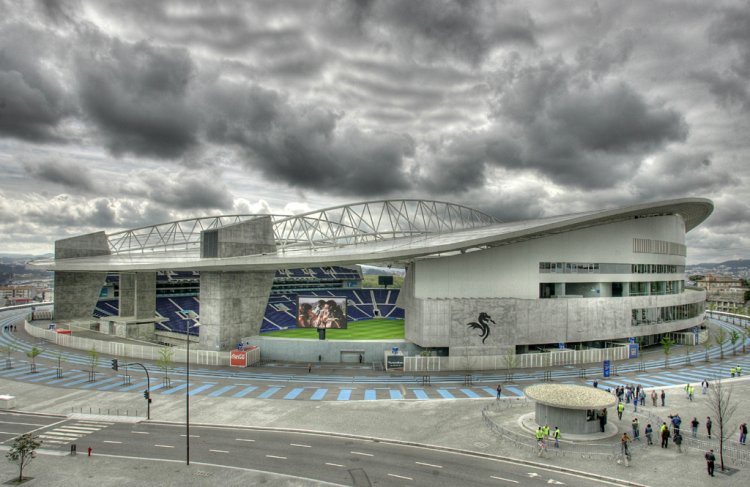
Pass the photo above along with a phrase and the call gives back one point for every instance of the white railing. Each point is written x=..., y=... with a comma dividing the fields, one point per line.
x=520, y=361
x=145, y=352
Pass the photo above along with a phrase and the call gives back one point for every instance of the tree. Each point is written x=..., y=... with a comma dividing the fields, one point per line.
x=734, y=337
x=165, y=361
x=9, y=349
x=666, y=345
x=722, y=408
x=689, y=345
x=33, y=354
x=59, y=365
x=721, y=338
x=510, y=360
x=93, y=362
x=23, y=451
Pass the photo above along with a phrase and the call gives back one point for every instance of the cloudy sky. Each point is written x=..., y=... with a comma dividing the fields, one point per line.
x=118, y=114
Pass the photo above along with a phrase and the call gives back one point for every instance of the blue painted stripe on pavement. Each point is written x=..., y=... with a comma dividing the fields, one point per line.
x=198, y=390
x=395, y=394
x=470, y=393
x=294, y=393
x=244, y=392
x=57, y=381
x=74, y=383
x=112, y=386
x=94, y=384
x=492, y=392
x=18, y=372
x=269, y=392
x=370, y=395
x=421, y=395
x=175, y=389
x=46, y=376
x=445, y=394
x=344, y=395
x=137, y=385
x=515, y=390
x=647, y=381
x=221, y=391
x=686, y=375
x=158, y=386
x=319, y=394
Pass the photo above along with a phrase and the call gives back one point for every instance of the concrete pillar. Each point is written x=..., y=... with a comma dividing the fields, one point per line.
x=76, y=293
x=233, y=303
x=127, y=295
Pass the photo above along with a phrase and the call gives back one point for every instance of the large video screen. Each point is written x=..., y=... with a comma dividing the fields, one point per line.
x=317, y=312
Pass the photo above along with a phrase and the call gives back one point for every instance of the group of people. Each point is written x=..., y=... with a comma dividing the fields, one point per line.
x=324, y=314
x=10, y=328
x=543, y=433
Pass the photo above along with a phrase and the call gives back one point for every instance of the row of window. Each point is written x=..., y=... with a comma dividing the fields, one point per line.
x=665, y=314
x=608, y=268
x=649, y=246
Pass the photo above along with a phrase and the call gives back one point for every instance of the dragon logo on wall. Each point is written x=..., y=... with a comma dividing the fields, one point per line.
x=482, y=324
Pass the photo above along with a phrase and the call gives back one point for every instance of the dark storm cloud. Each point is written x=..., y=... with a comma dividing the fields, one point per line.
x=732, y=29
x=578, y=132
x=302, y=145
x=137, y=96
x=466, y=31
x=32, y=101
x=69, y=175
x=187, y=189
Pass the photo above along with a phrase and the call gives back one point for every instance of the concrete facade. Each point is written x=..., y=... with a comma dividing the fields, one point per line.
x=138, y=295
x=76, y=293
x=233, y=303
x=503, y=283
x=572, y=421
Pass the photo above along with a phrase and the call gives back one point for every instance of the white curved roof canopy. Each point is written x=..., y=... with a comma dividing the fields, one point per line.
x=377, y=231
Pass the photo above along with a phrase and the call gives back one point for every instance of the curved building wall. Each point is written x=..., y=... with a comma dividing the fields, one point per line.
x=442, y=297
x=513, y=270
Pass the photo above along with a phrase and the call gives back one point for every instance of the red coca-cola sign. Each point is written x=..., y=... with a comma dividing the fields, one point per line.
x=238, y=358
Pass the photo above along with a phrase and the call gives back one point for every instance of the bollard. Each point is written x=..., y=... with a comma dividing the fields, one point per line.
x=73, y=449
x=90, y=449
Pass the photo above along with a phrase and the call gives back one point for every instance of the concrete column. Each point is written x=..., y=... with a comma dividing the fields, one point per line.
x=76, y=293
x=127, y=294
x=233, y=303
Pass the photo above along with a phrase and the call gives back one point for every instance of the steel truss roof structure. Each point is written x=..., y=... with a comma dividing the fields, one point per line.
x=368, y=232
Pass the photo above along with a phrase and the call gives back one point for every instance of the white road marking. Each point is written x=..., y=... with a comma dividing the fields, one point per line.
x=23, y=424
x=219, y=451
x=113, y=442
x=553, y=481
x=361, y=453
x=429, y=465
x=532, y=474
x=506, y=480
x=243, y=439
x=302, y=446
x=164, y=446
x=140, y=432
x=191, y=436
x=74, y=430
x=65, y=435
x=399, y=476
x=274, y=456
x=334, y=464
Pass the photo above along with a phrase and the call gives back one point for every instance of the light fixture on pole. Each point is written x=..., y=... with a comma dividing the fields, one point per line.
x=190, y=315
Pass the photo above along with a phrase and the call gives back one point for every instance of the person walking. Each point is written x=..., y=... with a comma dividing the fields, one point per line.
x=648, y=432
x=642, y=397
x=557, y=436
x=743, y=433
x=664, y=430
x=602, y=419
x=676, y=422
x=694, y=426
x=663, y=397
x=635, y=404
x=499, y=391
x=540, y=441
x=704, y=386
x=620, y=409
x=739, y=370
x=678, y=441
x=636, y=429
x=691, y=392
x=654, y=397
x=596, y=384
x=709, y=424
x=710, y=460
x=687, y=391
x=625, y=446
x=732, y=371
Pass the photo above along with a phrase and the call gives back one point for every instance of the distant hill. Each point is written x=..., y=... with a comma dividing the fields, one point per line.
x=727, y=266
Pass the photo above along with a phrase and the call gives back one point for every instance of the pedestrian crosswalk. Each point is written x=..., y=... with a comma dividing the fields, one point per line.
x=290, y=391
x=70, y=432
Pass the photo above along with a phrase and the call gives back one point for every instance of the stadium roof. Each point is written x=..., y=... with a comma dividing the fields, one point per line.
x=369, y=232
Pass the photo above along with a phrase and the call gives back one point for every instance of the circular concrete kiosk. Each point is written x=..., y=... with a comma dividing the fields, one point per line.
x=574, y=409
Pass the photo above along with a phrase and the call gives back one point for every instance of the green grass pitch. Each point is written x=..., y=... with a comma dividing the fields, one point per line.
x=375, y=329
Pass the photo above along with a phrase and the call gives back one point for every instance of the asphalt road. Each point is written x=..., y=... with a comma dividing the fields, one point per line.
x=328, y=458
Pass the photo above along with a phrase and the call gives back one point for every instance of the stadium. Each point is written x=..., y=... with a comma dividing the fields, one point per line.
x=474, y=287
